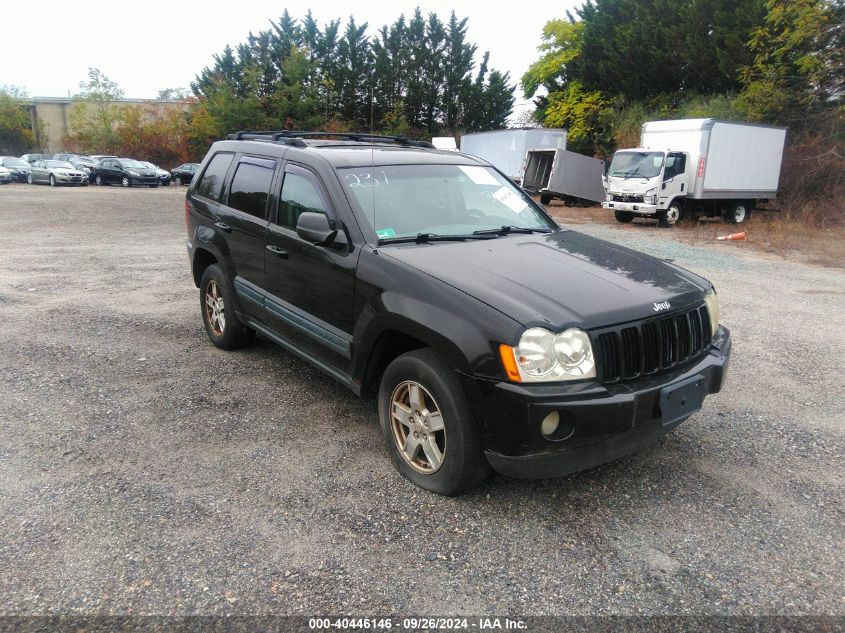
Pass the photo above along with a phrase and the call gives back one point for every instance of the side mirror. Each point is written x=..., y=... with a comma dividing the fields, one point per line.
x=315, y=228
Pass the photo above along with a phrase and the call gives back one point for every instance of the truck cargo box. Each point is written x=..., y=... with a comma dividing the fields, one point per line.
x=728, y=159
x=559, y=173
x=506, y=149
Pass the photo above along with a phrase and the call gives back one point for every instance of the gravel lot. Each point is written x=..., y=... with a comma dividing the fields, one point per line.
x=144, y=471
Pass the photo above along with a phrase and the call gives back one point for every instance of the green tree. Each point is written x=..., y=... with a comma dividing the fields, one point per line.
x=95, y=113
x=797, y=69
x=16, y=132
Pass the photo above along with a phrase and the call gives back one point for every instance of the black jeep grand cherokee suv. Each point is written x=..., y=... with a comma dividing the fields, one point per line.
x=492, y=337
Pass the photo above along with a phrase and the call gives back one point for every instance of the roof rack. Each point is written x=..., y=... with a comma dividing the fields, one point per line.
x=295, y=137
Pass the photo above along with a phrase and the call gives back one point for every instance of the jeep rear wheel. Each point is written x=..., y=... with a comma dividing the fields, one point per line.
x=221, y=324
x=427, y=425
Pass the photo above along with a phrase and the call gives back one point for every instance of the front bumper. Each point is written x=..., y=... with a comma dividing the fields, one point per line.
x=5, y=177
x=632, y=207
x=606, y=421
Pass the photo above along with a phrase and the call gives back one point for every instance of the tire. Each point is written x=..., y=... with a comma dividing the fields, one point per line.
x=625, y=217
x=52, y=180
x=125, y=181
x=177, y=181
x=228, y=333
x=98, y=180
x=671, y=216
x=737, y=213
x=420, y=378
x=545, y=199
x=29, y=179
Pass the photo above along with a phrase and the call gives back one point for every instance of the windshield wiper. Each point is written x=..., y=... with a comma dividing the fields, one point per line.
x=508, y=228
x=426, y=238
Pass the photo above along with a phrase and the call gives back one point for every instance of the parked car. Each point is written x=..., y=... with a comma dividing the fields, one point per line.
x=18, y=167
x=5, y=175
x=80, y=161
x=124, y=171
x=183, y=174
x=31, y=158
x=56, y=172
x=163, y=175
x=490, y=336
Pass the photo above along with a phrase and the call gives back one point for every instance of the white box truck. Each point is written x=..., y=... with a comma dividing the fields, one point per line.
x=559, y=173
x=506, y=149
x=694, y=167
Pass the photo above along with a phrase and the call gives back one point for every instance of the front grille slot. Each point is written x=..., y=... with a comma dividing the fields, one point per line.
x=652, y=345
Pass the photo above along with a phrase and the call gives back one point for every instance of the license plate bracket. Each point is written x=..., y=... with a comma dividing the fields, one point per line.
x=682, y=399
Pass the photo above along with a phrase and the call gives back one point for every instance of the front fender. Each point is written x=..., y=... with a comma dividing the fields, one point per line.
x=461, y=340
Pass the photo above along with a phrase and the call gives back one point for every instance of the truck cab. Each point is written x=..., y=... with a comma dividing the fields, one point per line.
x=647, y=182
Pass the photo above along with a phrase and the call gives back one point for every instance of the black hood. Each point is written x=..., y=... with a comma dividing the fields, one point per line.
x=557, y=280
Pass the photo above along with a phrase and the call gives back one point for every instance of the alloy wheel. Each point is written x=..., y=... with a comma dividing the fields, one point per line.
x=125, y=181
x=215, y=309
x=418, y=427
x=52, y=180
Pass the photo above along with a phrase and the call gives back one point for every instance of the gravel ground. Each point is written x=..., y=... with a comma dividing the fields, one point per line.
x=143, y=471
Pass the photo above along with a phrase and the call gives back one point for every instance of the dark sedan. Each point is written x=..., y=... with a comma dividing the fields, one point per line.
x=124, y=171
x=183, y=174
x=20, y=168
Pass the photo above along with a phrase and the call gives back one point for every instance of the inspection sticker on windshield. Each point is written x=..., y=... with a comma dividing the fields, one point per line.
x=479, y=175
x=510, y=200
x=383, y=233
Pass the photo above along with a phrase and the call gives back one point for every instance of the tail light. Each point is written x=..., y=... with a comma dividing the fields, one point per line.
x=188, y=216
x=700, y=167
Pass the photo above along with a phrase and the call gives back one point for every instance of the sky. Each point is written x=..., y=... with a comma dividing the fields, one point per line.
x=151, y=45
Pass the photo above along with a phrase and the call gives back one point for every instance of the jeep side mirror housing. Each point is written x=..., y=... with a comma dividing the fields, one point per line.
x=316, y=228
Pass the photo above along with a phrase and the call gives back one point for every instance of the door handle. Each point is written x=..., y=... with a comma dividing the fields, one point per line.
x=278, y=252
x=223, y=227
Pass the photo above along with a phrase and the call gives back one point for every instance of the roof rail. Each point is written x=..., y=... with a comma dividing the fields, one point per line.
x=294, y=137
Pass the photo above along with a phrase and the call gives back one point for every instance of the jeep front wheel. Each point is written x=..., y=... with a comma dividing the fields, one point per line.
x=221, y=324
x=427, y=425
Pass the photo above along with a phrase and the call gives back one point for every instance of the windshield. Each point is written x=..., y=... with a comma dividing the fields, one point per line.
x=149, y=165
x=407, y=200
x=59, y=164
x=131, y=164
x=636, y=164
x=15, y=162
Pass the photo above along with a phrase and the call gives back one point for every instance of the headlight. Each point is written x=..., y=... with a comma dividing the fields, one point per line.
x=543, y=356
x=650, y=196
x=712, y=302
x=132, y=172
x=608, y=197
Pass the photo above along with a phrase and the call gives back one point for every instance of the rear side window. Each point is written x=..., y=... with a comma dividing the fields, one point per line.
x=211, y=183
x=251, y=185
x=299, y=194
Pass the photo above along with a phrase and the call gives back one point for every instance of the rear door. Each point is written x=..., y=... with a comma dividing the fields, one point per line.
x=311, y=288
x=243, y=219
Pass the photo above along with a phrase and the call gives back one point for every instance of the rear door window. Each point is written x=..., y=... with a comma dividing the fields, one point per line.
x=211, y=183
x=250, y=187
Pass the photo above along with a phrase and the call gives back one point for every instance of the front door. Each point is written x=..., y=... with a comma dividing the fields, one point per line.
x=243, y=220
x=311, y=288
x=674, y=178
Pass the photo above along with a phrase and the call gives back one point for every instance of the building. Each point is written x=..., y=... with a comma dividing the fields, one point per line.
x=53, y=115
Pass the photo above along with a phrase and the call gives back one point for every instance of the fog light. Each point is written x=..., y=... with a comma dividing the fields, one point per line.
x=549, y=424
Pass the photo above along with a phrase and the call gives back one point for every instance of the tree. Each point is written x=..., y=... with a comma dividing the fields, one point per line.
x=95, y=112
x=172, y=94
x=798, y=62
x=16, y=133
